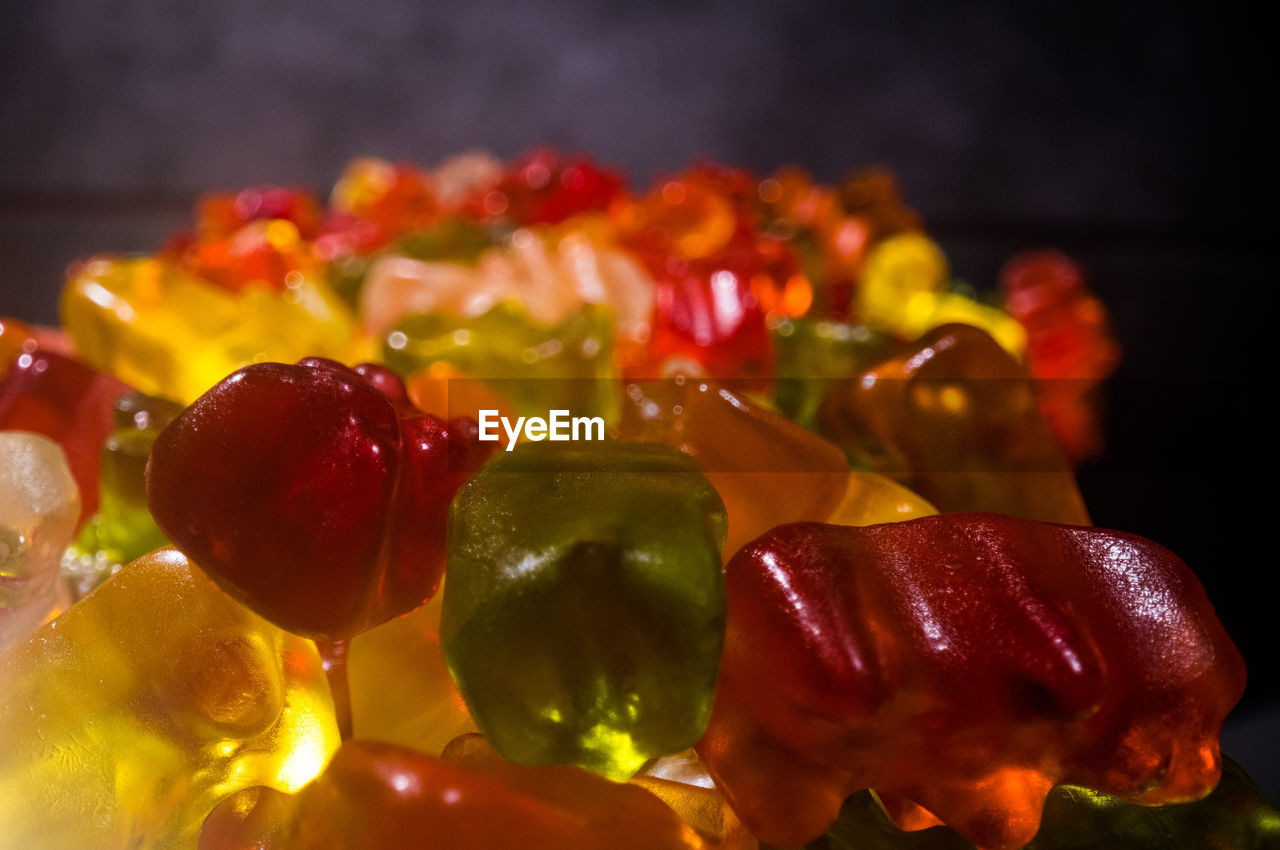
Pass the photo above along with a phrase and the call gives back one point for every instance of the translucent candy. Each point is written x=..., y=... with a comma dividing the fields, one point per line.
x=122, y=529
x=129, y=717
x=965, y=663
x=170, y=334
x=68, y=402
x=39, y=507
x=897, y=270
x=956, y=419
x=1236, y=815
x=584, y=611
x=401, y=691
x=768, y=470
x=549, y=273
x=568, y=365
x=376, y=796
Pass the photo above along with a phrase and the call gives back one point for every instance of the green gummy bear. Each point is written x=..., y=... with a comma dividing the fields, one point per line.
x=122, y=529
x=1236, y=815
x=538, y=367
x=584, y=610
x=454, y=240
x=812, y=354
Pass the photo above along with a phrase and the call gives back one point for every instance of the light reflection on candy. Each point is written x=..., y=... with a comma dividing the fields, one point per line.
x=39, y=507
x=129, y=717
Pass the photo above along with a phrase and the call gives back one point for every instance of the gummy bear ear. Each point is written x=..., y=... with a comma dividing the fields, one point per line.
x=228, y=686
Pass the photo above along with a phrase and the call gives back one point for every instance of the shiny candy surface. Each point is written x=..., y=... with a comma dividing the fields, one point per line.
x=813, y=354
x=956, y=419
x=1069, y=345
x=170, y=333
x=122, y=529
x=584, y=612
x=128, y=718
x=768, y=470
x=401, y=690
x=539, y=367
x=870, y=499
x=311, y=495
x=39, y=507
x=1236, y=815
x=68, y=402
x=549, y=273
x=695, y=235
x=592, y=630
x=377, y=796
x=966, y=663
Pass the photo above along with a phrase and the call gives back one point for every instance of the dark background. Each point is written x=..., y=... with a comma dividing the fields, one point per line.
x=1130, y=138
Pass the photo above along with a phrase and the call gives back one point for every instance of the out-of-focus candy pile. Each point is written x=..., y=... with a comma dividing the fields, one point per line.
x=820, y=575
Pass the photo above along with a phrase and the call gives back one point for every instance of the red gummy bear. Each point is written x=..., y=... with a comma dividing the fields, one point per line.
x=256, y=236
x=314, y=493
x=68, y=402
x=966, y=663
x=1069, y=344
x=377, y=796
x=694, y=233
x=543, y=187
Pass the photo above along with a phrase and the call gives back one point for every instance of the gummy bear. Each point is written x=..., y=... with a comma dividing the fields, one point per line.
x=401, y=691
x=965, y=663
x=543, y=187
x=813, y=354
x=122, y=529
x=956, y=420
x=694, y=233
x=130, y=716
x=39, y=508
x=768, y=470
x=171, y=334
x=377, y=796
x=1069, y=346
x=680, y=781
x=594, y=571
x=255, y=237
x=538, y=367
x=68, y=402
x=310, y=494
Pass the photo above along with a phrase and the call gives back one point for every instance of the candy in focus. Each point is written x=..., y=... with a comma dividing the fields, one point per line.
x=964, y=663
x=127, y=719
x=39, y=508
x=375, y=796
x=312, y=495
x=68, y=402
x=584, y=612
x=317, y=495
x=123, y=528
x=1236, y=815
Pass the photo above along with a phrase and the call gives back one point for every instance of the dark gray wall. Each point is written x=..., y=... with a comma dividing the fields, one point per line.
x=1065, y=111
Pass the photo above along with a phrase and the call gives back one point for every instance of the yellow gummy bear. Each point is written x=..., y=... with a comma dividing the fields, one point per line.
x=170, y=334
x=871, y=498
x=902, y=290
x=401, y=690
x=897, y=269
x=127, y=719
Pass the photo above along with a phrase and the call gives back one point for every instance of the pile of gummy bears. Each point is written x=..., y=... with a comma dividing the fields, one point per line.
x=823, y=578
